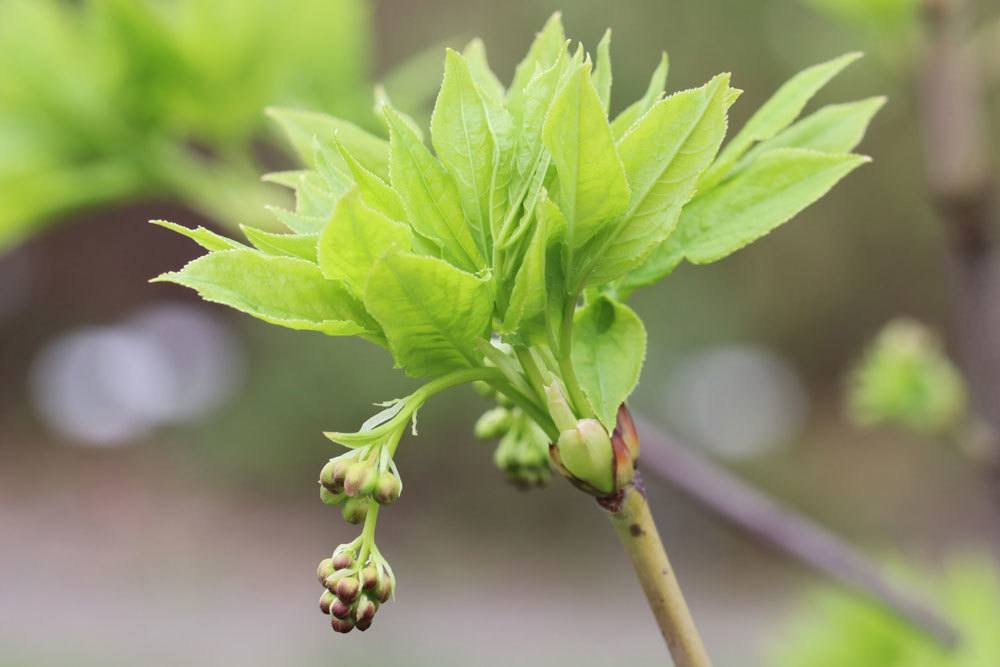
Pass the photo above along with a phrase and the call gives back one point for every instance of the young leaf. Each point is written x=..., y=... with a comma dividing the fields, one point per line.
x=302, y=246
x=529, y=296
x=432, y=312
x=376, y=192
x=284, y=291
x=664, y=154
x=545, y=50
x=463, y=140
x=775, y=115
x=304, y=128
x=602, y=70
x=836, y=128
x=355, y=238
x=609, y=346
x=592, y=186
x=206, y=238
x=430, y=196
x=768, y=193
x=489, y=84
x=657, y=83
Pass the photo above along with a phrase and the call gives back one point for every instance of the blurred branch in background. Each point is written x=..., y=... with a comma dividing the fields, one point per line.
x=963, y=184
x=766, y=519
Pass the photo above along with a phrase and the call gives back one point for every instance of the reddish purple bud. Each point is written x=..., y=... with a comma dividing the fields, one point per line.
x=342, y=625
x=342, y=561
x=325, y=601
x=365, y=610
x=625, y=428
x=347, y=589
x=369, y=578
x=339, y=609
x=324, y=569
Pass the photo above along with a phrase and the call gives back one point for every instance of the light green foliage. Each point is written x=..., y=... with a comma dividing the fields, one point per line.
x=355, y=238
x=468, y=257
x=432, y=312
x=905, y=378
x=102, y=101
x=610, y=346
x=768, y=173
x=592, y=187
x=285, y=291
x=837, y=630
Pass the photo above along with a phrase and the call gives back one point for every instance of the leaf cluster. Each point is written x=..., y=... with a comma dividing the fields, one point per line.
x=509, y=235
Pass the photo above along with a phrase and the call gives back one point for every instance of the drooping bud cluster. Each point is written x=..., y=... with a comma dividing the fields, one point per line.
x=594, y=461
x=522, y=454
x=358, y=478
x=356, y=585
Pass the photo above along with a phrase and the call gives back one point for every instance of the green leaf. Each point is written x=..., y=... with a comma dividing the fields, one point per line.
x=206, y=238
x=376, y=192
x=284, y=291
x=432, y=312
x=463, y=141
x=776, y=114
x=657, y=83
x=529, y=111
x=529, y=298
x=545, y=50
x=355, y=238
x=609, y=346
x=664, y=154
x=489, y=84
x=772, y=190
x=302, y=246
x=602, y=70
x=592, y=186
x=305, y=127
x=836, y=128
x=430, y=196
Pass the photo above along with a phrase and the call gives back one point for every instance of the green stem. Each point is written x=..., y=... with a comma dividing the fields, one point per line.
x=634, y=525
x=368, y=532
x=576, y=395
x=531, y=371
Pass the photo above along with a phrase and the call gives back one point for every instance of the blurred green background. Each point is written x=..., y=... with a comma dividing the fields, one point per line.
x=158, y=456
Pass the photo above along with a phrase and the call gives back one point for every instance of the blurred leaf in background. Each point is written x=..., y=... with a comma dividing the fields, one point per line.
x=110, y=100
x=838, y=630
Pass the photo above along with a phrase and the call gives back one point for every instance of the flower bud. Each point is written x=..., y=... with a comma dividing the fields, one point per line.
x=324, y=569
x=369, y=577
x=342, y=560
x=493, y=424
x=626, y=431
x=334, y=579
x=338, y=607
x=347, y=589
x=329, y=497
x=325, y=601
x=388, y=488
x=326, y=476
x=385, y=586
x=342, y=625
x=360, y=479
x=585, y=453
x=365, y=610
x=355, y=510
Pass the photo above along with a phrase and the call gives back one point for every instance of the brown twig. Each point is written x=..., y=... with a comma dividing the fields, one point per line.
x=962, y=183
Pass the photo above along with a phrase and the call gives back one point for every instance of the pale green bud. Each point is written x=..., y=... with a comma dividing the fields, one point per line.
x=324, y=569
x=493, y=424
x=387, y=489
x=585, y=453
x=325, y=601
x=355, y=510
x=329, y=497
x=360, y=479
